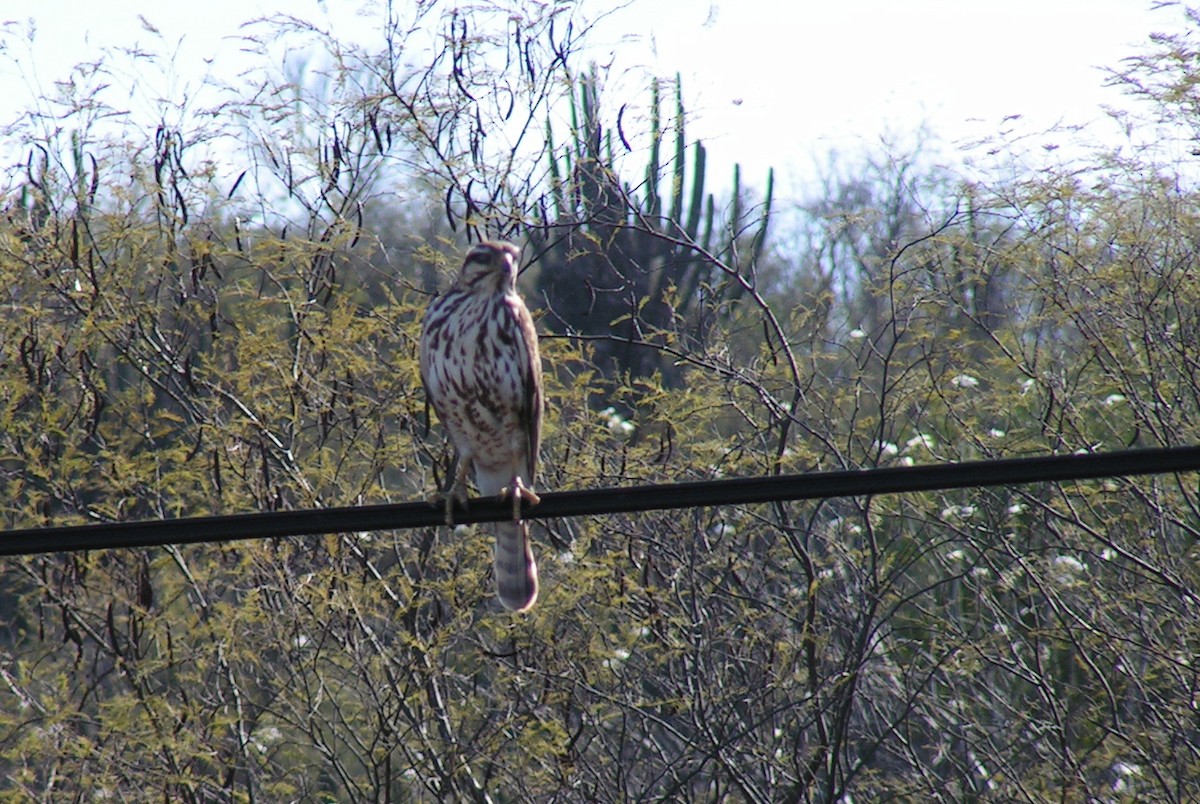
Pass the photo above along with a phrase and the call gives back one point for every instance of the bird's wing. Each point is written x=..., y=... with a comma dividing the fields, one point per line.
x=531, y=369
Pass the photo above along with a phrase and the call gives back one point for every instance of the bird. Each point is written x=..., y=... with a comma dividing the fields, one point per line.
x=482, y=374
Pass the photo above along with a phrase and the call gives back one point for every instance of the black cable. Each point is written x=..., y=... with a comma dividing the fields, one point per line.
x=592, y=502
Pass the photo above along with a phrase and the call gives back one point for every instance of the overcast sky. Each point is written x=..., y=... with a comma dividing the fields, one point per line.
x=849, y=71
x=767, y=83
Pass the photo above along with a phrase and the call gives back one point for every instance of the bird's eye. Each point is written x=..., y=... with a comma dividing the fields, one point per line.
x=481, y=256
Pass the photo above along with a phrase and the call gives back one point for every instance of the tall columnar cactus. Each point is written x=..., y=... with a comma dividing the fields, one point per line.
x=634, y=267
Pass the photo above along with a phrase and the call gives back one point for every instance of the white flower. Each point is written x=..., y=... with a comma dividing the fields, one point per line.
x=886, y=448
x=1070, y=562
x=1113, y=399
x=1068, y=569
x=265, y=737
x=996, y=432
x=617, y=423
x=1124, y=771
x=958, y=512
x=619, y=656
x=921, y=440
x=964, y=381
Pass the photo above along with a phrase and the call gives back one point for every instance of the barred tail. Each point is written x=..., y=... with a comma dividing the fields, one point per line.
x=516, y=572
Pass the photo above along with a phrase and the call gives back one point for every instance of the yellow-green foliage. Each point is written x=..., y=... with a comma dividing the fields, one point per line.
x=161, y=356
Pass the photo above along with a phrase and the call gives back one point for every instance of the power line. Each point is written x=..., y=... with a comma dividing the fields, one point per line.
x=593, y=502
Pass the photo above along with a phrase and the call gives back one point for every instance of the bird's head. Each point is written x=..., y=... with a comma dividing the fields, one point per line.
x=490, y=266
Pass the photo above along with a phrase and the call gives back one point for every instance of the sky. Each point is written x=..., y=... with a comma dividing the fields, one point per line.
x=853, y=71
x=766, y=83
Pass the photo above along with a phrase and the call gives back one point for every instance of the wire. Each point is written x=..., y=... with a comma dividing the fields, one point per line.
x=595, y=502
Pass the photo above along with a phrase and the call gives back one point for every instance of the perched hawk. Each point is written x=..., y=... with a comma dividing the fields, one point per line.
x=483, y=376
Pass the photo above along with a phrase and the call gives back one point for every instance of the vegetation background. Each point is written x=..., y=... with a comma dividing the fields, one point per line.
x=218, y=314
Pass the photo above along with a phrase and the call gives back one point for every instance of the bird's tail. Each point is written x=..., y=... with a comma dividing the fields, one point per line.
x=516, y=572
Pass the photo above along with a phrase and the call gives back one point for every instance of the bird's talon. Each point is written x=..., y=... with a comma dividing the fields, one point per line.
x=448, y=501
x=519, y=491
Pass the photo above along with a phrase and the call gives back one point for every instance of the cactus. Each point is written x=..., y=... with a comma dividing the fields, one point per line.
x=620, y=266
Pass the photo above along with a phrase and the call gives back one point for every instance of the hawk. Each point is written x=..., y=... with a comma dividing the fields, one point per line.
x=483, y=375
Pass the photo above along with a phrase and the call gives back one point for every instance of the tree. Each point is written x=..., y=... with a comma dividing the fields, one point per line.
x=180, y=341
x=633, y=269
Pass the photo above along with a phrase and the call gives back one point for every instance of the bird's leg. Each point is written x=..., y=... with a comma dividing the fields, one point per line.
x=457, y=493
x=518, y=491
